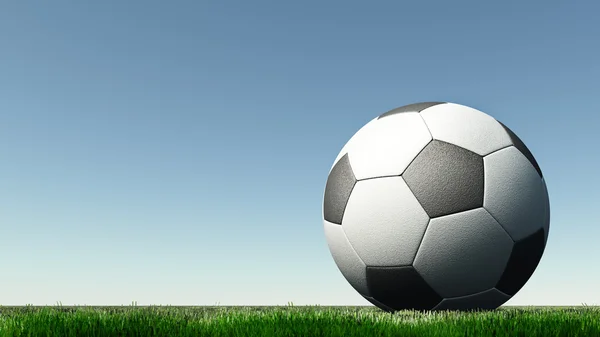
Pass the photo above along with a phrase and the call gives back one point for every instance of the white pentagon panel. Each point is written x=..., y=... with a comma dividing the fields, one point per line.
x=547, y=212
x=364, y=129
x=384, y=222
x=489, y=299
x=466, y=127
x=348, y=262
x=385, y=147
x=463, y=253
x=514, y=192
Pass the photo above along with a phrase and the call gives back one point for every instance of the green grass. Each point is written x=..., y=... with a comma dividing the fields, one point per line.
x=294, y=321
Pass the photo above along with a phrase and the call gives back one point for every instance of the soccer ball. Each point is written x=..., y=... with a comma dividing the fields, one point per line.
x=436, y=206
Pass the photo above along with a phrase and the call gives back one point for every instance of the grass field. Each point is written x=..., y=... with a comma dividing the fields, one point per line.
x=305, y=321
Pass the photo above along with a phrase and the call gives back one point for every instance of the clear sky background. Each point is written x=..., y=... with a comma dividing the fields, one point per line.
x=176, y=152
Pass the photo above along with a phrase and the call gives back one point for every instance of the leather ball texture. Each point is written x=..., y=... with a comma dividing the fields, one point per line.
x=436, y=206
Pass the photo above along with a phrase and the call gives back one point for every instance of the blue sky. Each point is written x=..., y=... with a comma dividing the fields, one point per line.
x=177, y=152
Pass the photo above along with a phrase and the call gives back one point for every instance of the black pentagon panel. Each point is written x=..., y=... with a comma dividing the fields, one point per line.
x=446, y=179
x=416, y=107
x=339, y=185
x=379, y=304
x=401, y=288
x=525, y=257
x=518, y=143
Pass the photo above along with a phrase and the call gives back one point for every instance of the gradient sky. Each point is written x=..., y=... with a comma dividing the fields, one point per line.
x=176, y=152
